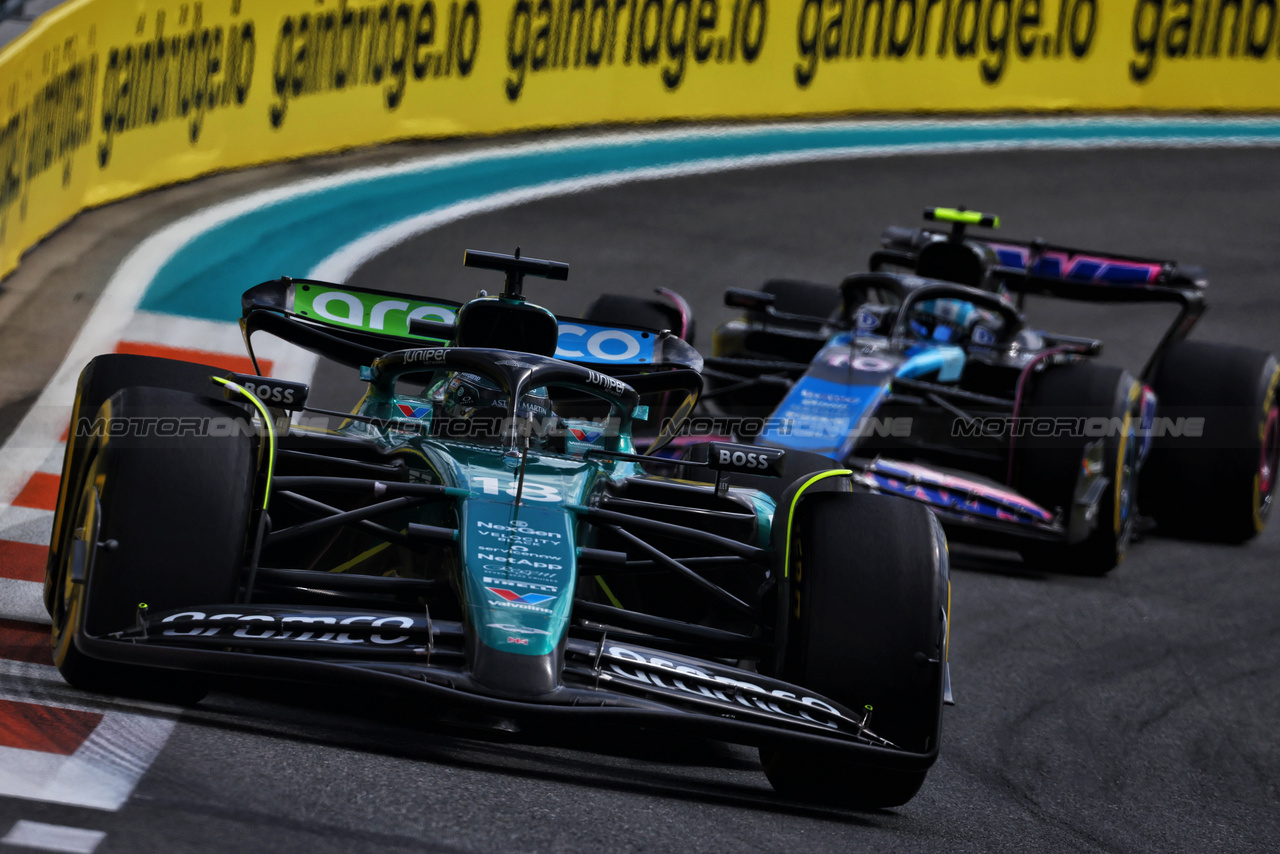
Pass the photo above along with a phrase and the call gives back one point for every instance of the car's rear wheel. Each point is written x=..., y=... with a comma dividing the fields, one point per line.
x=1102, y=402
x=159, y=519
x=1218, y=485
x=868, y=630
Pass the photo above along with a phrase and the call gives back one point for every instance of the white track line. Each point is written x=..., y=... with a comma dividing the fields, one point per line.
x=53, y=837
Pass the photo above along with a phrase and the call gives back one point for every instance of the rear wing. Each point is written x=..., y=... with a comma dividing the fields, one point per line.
x=1043, y=269
x=354, y=326
x=1035, y=266
x=1063, y=263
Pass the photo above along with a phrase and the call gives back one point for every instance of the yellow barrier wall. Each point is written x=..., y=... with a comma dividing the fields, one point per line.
x=102, y=99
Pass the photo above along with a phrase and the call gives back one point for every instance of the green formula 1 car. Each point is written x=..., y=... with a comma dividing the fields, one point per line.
x=478, y=536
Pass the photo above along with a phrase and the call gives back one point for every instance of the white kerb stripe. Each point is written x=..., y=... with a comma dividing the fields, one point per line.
x=101, y=774
x=54, y=837
x=22, y=601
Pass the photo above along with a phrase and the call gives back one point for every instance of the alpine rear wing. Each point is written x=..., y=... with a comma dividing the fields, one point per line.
x=1036, y=266
x=1039, y=268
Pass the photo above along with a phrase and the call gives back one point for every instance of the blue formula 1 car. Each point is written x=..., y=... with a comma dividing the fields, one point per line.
x=930, y=385
x=478, y=537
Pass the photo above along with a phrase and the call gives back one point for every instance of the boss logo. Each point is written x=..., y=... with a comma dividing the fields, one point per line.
x=278, y=393
x=744, y=458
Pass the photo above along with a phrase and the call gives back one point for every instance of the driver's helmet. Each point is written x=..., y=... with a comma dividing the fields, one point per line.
x=953, y=321
x=945, y=320
x=475, y=408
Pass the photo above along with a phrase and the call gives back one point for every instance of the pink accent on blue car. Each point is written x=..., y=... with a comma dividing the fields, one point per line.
x=957, y=493
x=1078, y=267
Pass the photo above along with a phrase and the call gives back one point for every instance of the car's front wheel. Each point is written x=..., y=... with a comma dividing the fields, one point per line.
x=159, y=522
x=1067, y=405
x=868, y=629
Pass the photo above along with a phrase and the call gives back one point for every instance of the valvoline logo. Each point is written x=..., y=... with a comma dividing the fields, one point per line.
x=412, y=411
x=525, y=599
x=584, y=435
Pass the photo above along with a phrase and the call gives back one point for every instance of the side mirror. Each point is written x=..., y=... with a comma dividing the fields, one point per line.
x=750, y=300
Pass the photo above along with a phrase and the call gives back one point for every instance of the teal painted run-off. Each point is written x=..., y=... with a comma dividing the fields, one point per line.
x=206, y=277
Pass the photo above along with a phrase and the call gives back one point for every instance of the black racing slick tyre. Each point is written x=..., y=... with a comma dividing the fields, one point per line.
x=1050, y=469
x=634, y=311
x=1218, y=485
x=809, y=299
x=868, y=629
x=158, y=521
x=102, y=377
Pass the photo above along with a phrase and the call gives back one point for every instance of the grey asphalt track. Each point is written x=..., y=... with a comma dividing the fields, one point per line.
x=1139, y=712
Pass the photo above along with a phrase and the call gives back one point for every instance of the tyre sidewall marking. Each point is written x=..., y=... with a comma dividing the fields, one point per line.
x=1121, y=520
x=1268, y=406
